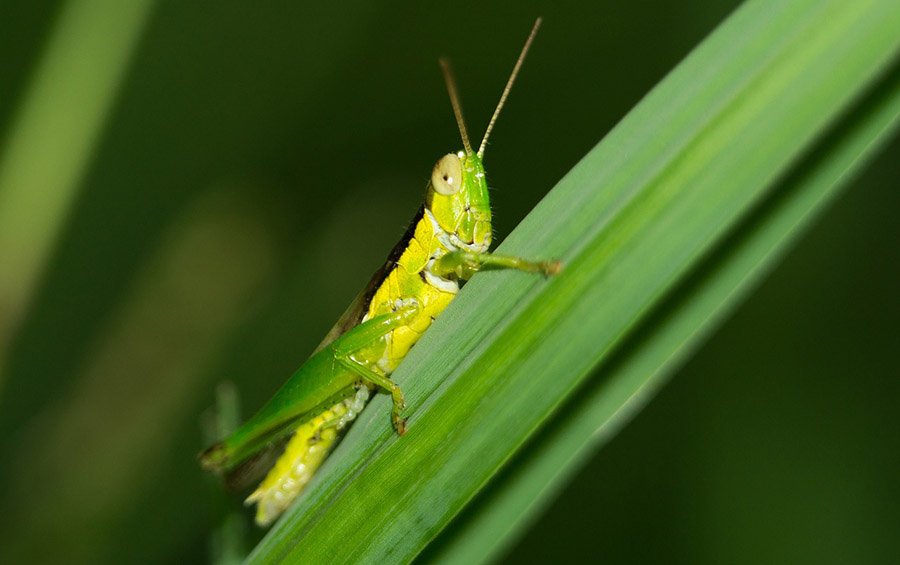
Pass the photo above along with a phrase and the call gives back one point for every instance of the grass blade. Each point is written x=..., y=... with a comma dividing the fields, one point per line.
x=633, y=222
x=667, y=337
x=49, y=145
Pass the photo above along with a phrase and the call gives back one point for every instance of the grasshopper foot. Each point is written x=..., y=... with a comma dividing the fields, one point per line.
x=550, y=268
x=399, y=425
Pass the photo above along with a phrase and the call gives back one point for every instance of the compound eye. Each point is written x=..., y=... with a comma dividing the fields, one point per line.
x=446, y=178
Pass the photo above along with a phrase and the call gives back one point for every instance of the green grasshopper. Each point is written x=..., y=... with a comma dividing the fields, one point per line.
x=445, y=245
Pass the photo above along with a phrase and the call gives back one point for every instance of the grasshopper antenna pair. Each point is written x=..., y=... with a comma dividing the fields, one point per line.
x=457, y=106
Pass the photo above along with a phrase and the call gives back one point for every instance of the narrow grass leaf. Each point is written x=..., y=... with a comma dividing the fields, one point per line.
x=633, y=222
x=666, y=338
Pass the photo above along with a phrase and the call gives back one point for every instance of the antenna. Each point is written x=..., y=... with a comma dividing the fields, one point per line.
x=454, y=100
x=509, y=83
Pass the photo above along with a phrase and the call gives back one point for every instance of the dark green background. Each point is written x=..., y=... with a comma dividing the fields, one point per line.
x=311, y=130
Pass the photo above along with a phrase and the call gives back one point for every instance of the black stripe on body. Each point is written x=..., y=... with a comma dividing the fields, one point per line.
x=358, y=308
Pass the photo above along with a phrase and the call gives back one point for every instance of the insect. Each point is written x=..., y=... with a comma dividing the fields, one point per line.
x=445, y=245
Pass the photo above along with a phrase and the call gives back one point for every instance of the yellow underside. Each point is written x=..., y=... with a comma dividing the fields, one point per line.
x=306, y=450
x=313, y=440
x=405, y=282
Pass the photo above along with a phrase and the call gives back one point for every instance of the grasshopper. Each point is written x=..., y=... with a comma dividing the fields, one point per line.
x=445, y=245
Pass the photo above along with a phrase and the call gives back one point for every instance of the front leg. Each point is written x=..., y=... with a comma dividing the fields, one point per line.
x=463, y=264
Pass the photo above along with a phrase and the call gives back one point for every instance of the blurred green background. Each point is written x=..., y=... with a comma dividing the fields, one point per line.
x=253, y=164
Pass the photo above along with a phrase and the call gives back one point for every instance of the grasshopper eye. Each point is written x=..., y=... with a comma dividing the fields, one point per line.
x=446, y=178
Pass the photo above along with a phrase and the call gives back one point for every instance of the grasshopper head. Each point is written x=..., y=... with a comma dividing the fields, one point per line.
x=457, y=194
x=458, y=199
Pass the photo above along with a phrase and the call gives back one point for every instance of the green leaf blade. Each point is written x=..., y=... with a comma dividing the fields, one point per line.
x=631, y=222
x=667, y=338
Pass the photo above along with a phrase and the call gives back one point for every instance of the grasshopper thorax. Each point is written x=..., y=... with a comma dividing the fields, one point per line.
x=457, y=198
